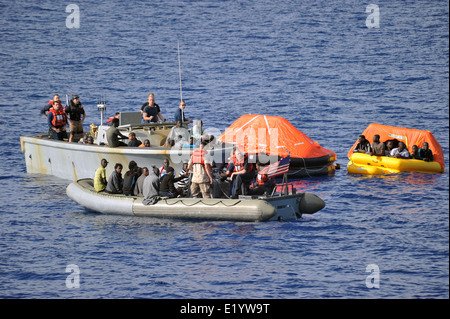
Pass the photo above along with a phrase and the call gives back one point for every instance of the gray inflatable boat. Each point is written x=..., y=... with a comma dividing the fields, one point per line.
x=246, y=208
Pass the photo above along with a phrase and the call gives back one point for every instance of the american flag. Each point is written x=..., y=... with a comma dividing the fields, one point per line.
x=279, y=168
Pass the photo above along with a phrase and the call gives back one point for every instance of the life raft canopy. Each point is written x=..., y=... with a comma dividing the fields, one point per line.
x=407, y=135
x=272, y=135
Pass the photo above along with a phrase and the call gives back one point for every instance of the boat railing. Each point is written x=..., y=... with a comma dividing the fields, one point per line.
x=285, y=189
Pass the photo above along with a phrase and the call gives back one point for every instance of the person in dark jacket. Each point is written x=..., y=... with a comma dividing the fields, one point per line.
x=134, y=142
x=115, y=181
x=130, y=178
x=49, y=105
x=167, y=187
x=425, y=153
x=363, y=146
x=151, y=185
x=113, y=135
x=76, y=116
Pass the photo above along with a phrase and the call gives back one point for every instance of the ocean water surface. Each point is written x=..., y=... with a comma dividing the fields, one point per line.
x=316, y=63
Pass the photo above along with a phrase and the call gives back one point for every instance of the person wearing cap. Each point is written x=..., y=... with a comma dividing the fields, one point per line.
x=100, y=176
x=76, y=116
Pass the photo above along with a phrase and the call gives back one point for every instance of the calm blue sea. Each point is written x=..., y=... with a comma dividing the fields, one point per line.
x=316, y=63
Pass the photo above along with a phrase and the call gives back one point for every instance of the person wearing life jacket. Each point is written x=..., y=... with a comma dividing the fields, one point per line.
x=76, y=116
x=242, y=175
x=49, y=105
x=116, y=116
x=57, y=122
x=200, y=165
x=263, y=183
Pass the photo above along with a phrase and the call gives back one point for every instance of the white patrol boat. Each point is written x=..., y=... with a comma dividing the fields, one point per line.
x=74, y=161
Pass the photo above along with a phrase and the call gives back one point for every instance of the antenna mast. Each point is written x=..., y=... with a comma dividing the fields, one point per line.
x=181, y=89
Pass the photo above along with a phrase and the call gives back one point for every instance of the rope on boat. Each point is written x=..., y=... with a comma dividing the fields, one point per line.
x=201, y=201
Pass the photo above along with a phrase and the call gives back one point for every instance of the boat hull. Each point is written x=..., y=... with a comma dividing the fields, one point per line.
x=74, y=161
x=275, y=208
x=378, y=165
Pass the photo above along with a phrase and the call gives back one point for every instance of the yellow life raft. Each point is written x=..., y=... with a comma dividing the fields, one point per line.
x=378, y=165
x=361, y=163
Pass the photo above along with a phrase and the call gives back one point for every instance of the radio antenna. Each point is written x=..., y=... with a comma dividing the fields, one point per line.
x=181, y=88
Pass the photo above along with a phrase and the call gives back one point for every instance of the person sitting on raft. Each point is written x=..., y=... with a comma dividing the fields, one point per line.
x=377, y=148
x=167, y=186
x=150, y=189
x=242, y=175
x=400, y=151
x=263, y=183
x=414, y=152
x=130, y=178
x=115, y=181
x=389, y=148
x=425, y=153
x=363, y=145
x=139, y=188
x=100, y=176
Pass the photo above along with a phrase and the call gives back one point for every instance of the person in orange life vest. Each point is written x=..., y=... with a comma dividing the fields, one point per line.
x=229, y=166
x=146, y=143
x=116, y=116
x=76, y=116
x=262, y=184
x=57, y=122
x=242, y=175
x=200, y=164
x=49, y=105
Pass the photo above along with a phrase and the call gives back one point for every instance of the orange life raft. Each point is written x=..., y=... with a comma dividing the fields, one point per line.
x=375, y=165
x=274, y=136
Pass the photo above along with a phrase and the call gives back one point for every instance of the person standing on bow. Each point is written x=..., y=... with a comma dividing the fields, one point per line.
x=57, y=122
x=76, y=115
x=49, y=105
x=180, y=115
x=150, y=111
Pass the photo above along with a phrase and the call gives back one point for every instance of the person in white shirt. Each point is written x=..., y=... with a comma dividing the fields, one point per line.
x=179, y=134
x=400, y=151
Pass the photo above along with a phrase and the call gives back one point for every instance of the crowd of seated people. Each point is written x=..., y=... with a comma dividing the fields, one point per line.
x=393, y=148
x=194, y=180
